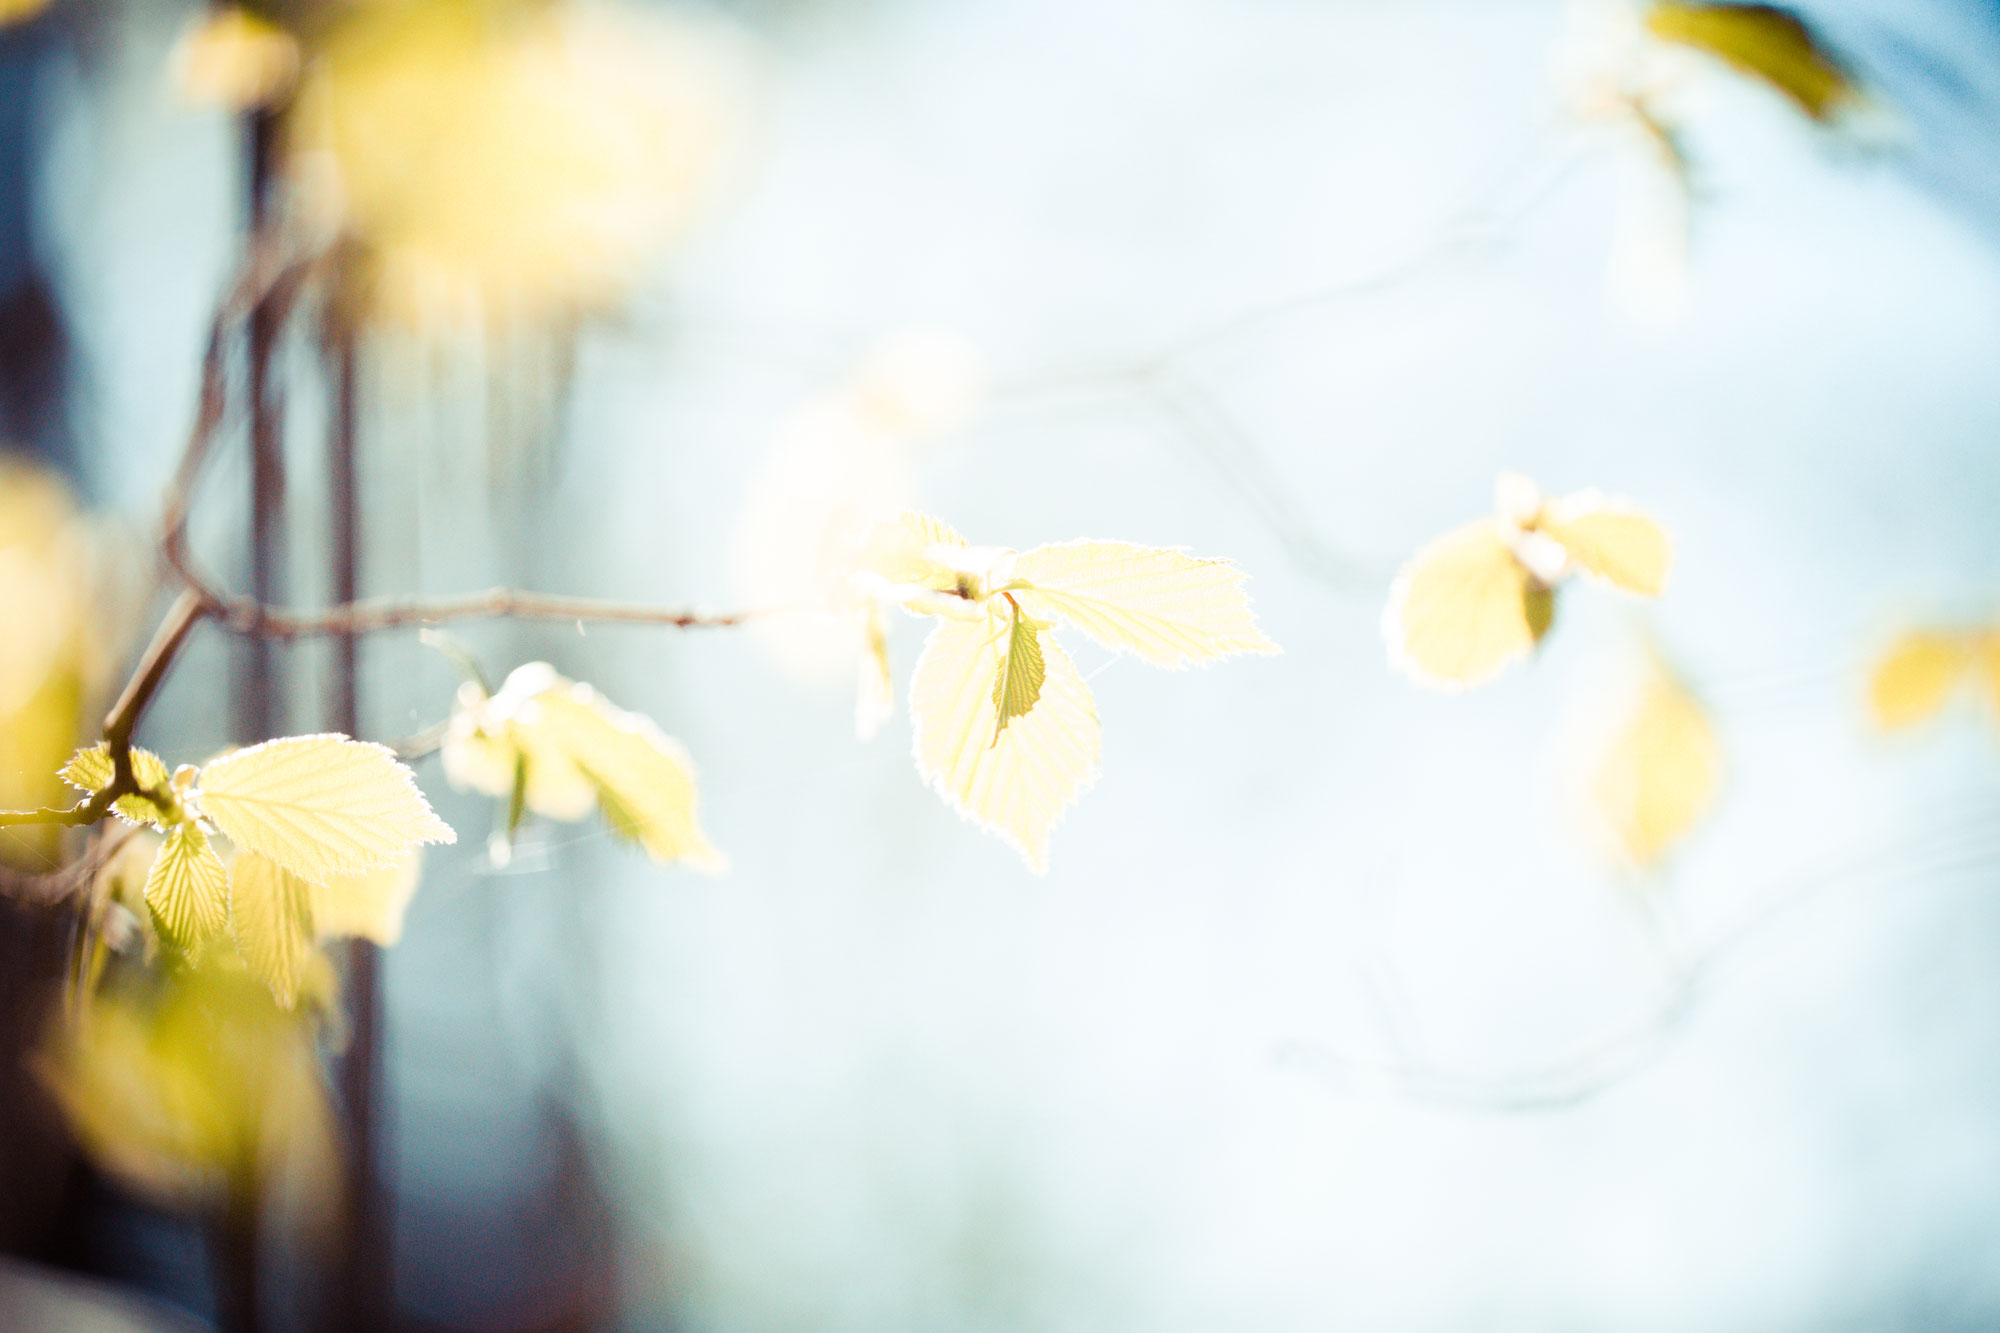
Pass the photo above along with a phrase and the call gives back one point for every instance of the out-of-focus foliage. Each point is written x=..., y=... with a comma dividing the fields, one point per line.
x=1005, y=727
x=236, y=60
x=200, y=1086
x=561, y=749
x=1658, y=772
x=54, y=649
x=510, y=158
x=14, y=11
x=1481, y=597
x=1767, y=43
x=325, y=830
x=1922, y=669
x=842, y=464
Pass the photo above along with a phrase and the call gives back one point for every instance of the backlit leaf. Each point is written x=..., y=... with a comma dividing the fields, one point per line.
x=320, y=806
x=367, y=906
x=270, y=914
x=1460, y=612
x=1660, y=773
x=91, y=770
x=188, y=888
x=1022, y=671
x=1019, y=784
x=645, y=781
x=1165, y=606
x=1765, y=42
x=1611, y=541
x=1915, y=678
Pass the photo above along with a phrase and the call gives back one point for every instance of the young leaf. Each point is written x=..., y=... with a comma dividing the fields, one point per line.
x=1022, y=671
x=1460, y=612
x=1163, y=605
x=367, y=906
x=1611, y=541
x=644, y=779
x=1660, y=773
x=1915, y=678
x=320, y=806
x=1766, y=43
x=188, y=888
x=270, y=913
x=91, y=770
x=1015, y=782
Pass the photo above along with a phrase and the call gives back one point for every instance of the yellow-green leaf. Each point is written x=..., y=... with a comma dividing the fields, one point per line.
x=270, y=913
x=1464, y=609
x=368, y=906
x=1765, y=42
x=1915, y=678
x=188, y=888
x=1022, y=671
x=1660, y=772
x=1611, y=541
x=1162, y=605
x=1019, y=784
x=91, y=770
x=320, y=806
x=645, y=781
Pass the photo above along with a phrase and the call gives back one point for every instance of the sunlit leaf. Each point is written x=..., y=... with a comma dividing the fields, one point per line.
x=1460, y=612
x=1660, y=772
x=270, y=915
x=1162, y=605
x=1022, y=672
x=91, y=770
x=645, y=780
x=188, y=888
x=1611, y=541
x=1765, y=42
x=1915, y=678
x=368, y=906
x=319, y=806
x=1019, y=784
x=578, y=751
x=236, y=60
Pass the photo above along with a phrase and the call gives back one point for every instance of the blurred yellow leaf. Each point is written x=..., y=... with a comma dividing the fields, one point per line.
x=1481, y=597
x=320, y=806
x=1610, y=541
x=1766, y=43
x=236, y=60
x=1660, y=773
x=90, y=770
x=574, y=749
x=1463, y=610
x=1161, y=605
x=1016, y=782
x=208, y=1084
x=1915, y=678
x=875, y=692
x=367, y=906
x=528, y=159
x=15, y=11
x=270, y=915
x=188, y=888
